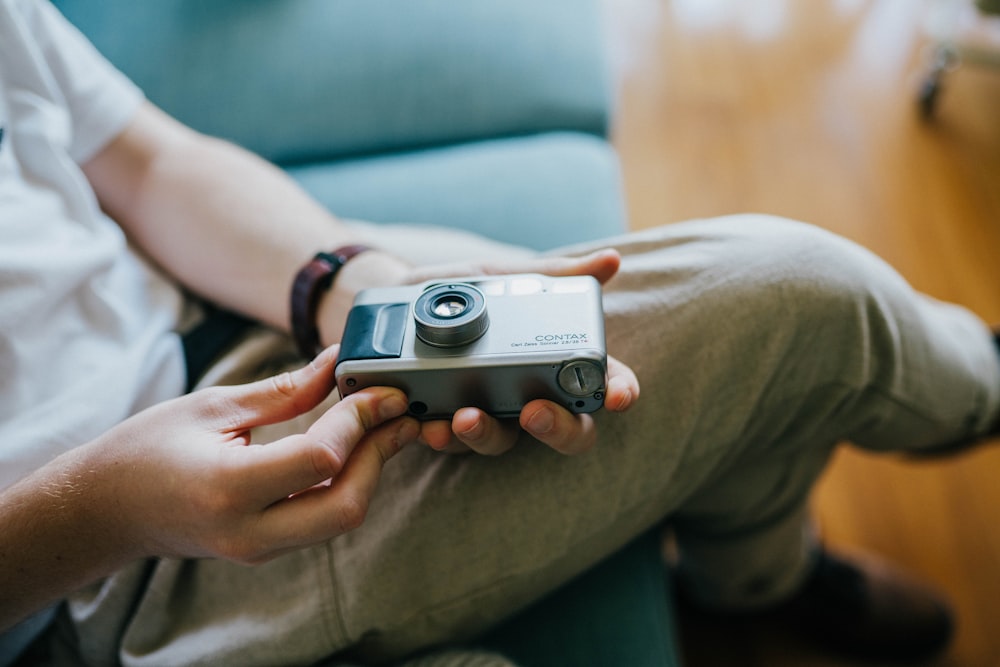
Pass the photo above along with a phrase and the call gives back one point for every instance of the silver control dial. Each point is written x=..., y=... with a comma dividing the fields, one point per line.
x=581, y=378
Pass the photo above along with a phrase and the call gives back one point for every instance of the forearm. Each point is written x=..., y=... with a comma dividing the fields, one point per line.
x=56, y=536
x=228, y=225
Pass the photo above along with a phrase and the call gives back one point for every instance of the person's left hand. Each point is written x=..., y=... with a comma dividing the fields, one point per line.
x=183, y=479
x=471, y=429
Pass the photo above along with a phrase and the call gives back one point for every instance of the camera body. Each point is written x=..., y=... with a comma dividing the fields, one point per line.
x=491, y=342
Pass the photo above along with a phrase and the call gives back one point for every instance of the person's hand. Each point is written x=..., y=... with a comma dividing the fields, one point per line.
x=471, y=429
x=182, y=478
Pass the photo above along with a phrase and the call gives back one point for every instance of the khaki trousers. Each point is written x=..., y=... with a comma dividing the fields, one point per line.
x=759, y=344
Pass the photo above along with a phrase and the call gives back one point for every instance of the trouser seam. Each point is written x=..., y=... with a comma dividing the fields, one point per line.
x=334, y=624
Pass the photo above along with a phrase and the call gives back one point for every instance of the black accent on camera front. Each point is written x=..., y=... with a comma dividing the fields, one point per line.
x=374, y=331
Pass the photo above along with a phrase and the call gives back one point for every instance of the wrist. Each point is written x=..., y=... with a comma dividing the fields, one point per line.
x=91, y=479
x=75, y=526
x=310, y=285
x=374, y=268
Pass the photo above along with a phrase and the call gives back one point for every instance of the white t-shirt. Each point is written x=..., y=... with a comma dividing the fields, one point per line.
x=85, y=323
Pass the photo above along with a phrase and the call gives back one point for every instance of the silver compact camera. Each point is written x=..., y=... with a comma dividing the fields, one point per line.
x=491, y=342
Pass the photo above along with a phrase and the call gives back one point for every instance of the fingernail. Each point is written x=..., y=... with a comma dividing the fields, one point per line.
x=541, y=422
x=624, y=401
x=474, y=432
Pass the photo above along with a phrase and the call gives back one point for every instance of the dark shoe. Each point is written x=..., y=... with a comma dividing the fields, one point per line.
x=867, y=608
x=858, y=608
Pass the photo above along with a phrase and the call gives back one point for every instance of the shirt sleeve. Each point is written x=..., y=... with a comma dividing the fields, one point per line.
x=100, y=99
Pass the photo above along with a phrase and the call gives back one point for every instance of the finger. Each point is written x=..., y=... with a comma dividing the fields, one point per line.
x=301, y=461
x=437, y=434
x=558, y=428
x=483, y=434
x=601, y=264
x=274, y=399
x=623, y=386
x=325, y=512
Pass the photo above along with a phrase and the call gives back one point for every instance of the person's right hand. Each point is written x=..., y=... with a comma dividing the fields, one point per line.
x=472, y=430
x=182, y=479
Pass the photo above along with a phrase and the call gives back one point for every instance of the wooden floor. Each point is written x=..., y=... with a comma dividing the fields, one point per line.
x=808, y=110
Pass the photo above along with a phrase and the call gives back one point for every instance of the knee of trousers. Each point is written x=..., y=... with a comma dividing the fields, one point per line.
x=795, y=279
x=743, y=318
x=779, y=305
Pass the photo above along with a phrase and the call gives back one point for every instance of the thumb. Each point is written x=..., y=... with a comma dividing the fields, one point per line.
x=280, y=397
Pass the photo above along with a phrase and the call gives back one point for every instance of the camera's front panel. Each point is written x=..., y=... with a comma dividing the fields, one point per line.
x=500, y=387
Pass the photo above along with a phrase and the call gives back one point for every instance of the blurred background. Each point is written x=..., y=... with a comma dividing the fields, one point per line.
x=876, y=119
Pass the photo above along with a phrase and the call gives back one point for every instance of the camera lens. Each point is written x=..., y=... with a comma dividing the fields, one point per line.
x=450, y=305
x=450, y=315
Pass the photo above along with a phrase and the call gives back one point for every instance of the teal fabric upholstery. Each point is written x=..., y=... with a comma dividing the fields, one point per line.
x=489, y=116
x=381, y=110
x=601, y=618
x=356, y=76
x=13, y=642
x=542, y=190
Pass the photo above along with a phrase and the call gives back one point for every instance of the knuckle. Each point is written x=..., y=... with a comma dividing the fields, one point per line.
x=215, y=501
x=352, y=513
x=364, y=407
x=239, y=549
x=216, y=404
x=284, y=384
x=211, y=401
x=210, y=396
x=218, y=491
x=327, y=459
x=286, y=388
x=242, y=543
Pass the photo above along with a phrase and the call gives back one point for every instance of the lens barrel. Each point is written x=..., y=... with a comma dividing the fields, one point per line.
x=450, y=315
